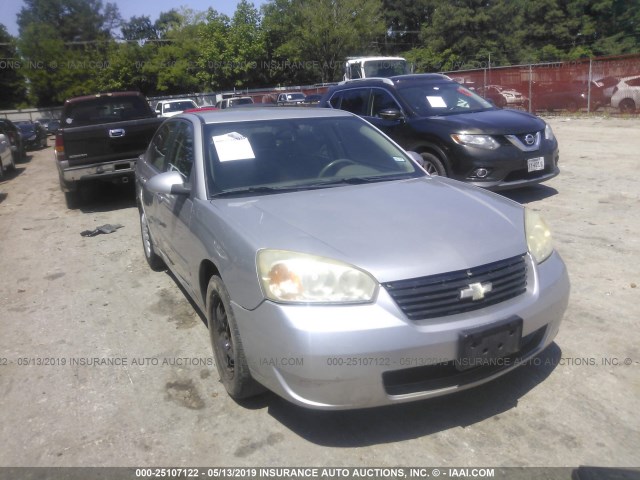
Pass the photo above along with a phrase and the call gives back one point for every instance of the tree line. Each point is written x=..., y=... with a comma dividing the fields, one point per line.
x=73, y=47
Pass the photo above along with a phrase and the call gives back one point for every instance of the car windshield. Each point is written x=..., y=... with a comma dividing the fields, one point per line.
x=105, y=110
x=261, y=157
x=295, y=96
x=240, y=101
x=442, y=99
x=178, y=106
x=385, y=68
x=25, y=126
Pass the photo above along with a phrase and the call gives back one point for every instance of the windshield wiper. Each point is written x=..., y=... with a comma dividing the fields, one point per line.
x=253, y=190
x=358, y=180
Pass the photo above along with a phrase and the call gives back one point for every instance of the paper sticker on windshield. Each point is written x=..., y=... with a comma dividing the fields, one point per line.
x=233, y=146
x=399, y=159
x=436, y=102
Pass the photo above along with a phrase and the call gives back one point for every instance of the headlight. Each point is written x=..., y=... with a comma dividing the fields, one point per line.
x=291, y=277
x=538, y=236
x=481, y=141
x=548, y=133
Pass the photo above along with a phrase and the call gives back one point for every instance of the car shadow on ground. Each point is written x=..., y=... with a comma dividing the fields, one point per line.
x=11, y=174
x=104, y=197
x=529, y=194
x=360, y=428
x=26, y=159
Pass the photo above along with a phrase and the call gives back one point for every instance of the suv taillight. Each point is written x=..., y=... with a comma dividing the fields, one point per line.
x=59, y=147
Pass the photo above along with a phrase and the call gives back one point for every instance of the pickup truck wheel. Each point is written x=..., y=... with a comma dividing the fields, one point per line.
x=73, y=199
x=227, y=347
x=432, y=164
x=155, y=262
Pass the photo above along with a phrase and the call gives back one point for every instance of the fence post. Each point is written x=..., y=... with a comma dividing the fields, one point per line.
x=589, y=87
x=530, y=89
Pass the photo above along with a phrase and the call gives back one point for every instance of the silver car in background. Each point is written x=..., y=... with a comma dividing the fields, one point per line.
x=332, y=269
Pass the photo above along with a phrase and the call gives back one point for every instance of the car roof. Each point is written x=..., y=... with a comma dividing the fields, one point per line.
x=415, y=78
x=265, y=113
x=99, y=95
x=171, y=100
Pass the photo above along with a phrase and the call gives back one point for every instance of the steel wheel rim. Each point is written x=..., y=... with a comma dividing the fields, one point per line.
x=223, y=339
x=431, y=168
x=146, y=238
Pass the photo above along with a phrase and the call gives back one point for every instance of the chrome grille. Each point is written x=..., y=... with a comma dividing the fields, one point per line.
x=439, y=295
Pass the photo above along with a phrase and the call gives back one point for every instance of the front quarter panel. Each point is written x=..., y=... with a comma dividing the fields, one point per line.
x=219, y=241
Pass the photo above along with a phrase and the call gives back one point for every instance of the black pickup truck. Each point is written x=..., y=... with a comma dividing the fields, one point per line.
x=101, y=137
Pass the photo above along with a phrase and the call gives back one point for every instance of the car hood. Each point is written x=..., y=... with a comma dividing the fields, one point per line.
x=394, y=230
x=491, y=122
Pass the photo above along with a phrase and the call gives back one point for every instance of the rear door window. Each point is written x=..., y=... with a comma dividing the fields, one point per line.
x=355, y=101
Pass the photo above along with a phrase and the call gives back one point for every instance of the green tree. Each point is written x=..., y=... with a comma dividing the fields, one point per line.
x=232, y=50
x=139, y=29
x=324, y=32
x=12, y=82
x=404, y=20
x=213, y=61
x=65, y=45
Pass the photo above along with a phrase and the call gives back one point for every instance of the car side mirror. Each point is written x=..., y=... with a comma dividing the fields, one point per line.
x=168, y=183
x=391, y=114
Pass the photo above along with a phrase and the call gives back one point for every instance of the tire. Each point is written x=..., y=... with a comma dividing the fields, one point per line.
x=228, y=352
x=432, y=164
x=572, y=106
x=72, y=199
x=627, y=105
x=12, y=164
x=153, y=259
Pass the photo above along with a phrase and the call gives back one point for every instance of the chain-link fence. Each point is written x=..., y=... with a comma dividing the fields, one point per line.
x=605, y=84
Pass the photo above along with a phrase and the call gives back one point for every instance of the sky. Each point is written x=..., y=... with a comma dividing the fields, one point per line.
x=130, y=8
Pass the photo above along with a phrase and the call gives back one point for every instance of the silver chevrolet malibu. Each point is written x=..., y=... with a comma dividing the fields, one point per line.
x=332, y=269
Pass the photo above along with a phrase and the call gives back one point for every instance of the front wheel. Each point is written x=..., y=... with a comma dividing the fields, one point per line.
x=432, y=164
x=153, y=259
x=227, y=347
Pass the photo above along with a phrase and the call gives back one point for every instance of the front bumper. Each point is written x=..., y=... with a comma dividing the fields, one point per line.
x=507, y=167
x=342, y=357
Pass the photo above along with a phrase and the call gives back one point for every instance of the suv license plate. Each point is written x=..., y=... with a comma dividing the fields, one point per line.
x=534, y=164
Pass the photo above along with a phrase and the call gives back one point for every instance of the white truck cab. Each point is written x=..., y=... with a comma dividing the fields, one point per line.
x=368, y=67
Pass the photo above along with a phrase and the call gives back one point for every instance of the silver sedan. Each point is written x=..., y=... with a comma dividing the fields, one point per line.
x=332, y=269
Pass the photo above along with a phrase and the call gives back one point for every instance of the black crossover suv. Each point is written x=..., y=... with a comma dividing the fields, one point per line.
x=457, y=133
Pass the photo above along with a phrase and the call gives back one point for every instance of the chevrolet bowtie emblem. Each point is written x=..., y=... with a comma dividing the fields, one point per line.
x=476, y=291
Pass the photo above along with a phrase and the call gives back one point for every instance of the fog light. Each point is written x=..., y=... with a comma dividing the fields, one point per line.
x=479, y=173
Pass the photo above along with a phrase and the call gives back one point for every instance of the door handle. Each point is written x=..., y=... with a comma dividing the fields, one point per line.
x=117, y=132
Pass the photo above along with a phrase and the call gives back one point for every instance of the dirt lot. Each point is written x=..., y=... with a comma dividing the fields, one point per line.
x=67, y=299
